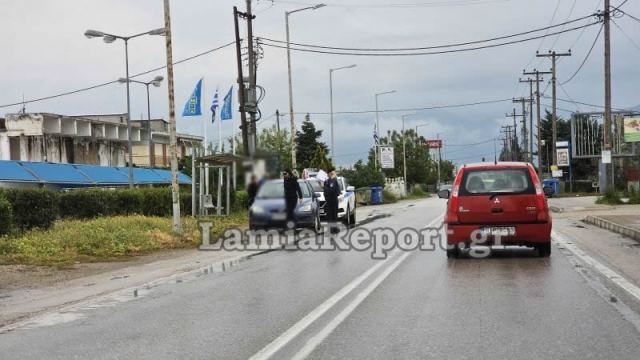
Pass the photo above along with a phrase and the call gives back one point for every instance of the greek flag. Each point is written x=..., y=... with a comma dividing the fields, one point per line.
x=375, y=134
x=227, y=112
x=192, y=107
x=214, y=107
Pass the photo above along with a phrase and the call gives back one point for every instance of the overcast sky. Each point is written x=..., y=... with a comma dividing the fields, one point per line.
x=44, y=53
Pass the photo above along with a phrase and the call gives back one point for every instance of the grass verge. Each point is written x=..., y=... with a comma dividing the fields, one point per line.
x=104, y=239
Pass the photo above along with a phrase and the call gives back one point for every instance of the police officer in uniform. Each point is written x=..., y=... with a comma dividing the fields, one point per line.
x=292, y=194
x=331, y=193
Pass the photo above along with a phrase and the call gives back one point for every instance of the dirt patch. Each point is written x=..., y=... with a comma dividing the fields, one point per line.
x=13, y=277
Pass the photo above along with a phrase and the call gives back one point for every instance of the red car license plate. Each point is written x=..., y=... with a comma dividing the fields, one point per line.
x=499, y=230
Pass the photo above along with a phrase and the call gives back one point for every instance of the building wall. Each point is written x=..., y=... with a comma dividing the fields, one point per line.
x=5, y=148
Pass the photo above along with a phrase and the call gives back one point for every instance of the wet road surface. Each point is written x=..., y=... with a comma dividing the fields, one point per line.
x=345, y=305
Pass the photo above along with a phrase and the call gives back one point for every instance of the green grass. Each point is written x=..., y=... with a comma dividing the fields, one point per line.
x=104, y=239
x=418, y=193
x=610, y=197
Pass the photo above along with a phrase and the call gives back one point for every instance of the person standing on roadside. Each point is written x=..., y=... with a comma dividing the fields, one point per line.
x=252, y=189
x=292, y=194
x=331, y=193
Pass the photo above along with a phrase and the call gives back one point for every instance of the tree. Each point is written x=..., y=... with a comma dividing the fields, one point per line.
x=420, y=167
x=310, y=152
x=363, y=175
x=277, y=144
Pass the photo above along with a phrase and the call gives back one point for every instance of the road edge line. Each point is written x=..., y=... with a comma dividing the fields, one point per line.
x=604, y=270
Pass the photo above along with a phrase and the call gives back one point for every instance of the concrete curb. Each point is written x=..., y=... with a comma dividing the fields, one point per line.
x=556, y=209
x=612, y=226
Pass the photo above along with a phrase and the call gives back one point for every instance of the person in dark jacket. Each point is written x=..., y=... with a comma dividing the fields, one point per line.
x=331, y=193
x=252, y=189
x=292, y=194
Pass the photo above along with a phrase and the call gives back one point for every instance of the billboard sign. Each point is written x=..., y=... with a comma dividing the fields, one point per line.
x=433, y=144
x=386, y=157
x=563, y=156
x=632, y=129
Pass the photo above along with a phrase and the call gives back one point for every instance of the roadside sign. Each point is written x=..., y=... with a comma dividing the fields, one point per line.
x=632, y=129
x=386, y=157
x=557, y=173
x=606, y=156
x=433, y=144
x=562, y=144
x=563, y=156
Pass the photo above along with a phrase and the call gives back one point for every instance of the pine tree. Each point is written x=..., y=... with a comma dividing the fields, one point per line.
x=310, y=152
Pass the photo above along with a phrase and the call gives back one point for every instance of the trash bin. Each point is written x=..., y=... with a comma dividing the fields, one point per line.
x=552, y=183
x=376, y=195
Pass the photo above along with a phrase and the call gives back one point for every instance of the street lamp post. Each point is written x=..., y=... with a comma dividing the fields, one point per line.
x=404, y=152
x=155, y=82
x=291, y=114
x=109, y=38
x=333, y=145
x=418, y=137
x=378, y=119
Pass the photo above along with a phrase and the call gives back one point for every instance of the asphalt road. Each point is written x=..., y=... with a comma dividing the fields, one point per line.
x=346, y=305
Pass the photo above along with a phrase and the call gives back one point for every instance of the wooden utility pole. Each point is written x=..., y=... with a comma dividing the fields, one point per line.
x=241, y=86
x=538, y=80
x=525, y=136
x=252, y=82
x=515, y=134
x=554, y=79
x=607, y=87
x=173, y=153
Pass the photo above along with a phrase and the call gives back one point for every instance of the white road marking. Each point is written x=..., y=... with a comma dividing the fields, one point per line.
x=286, y=337
x=327, y=330
x=616, y=278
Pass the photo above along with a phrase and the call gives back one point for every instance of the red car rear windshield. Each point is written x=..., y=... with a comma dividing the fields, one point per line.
x=496, y=181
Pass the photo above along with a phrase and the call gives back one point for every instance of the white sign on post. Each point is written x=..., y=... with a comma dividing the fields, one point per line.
x=563, y=157
x=386, y=157
x=606, y=156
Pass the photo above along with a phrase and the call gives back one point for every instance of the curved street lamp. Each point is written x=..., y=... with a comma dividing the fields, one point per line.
x=109, y=38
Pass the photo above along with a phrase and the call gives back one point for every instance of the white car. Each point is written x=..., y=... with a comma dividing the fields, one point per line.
x=346, y=200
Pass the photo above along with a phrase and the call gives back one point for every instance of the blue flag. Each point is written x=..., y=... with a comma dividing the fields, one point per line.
x=227, y=107
x=214, y=107
x=192, y=107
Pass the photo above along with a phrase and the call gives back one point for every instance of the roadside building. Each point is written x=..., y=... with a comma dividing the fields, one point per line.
x=86, y=139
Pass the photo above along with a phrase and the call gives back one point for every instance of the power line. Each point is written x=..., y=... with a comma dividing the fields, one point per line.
x=430, y=47
x=116, y=81
x=437, y=107
x=585, y=58
x=472, y=144
x=431, y=4
x=625, y=35
x=555, y=41
x=434, y=52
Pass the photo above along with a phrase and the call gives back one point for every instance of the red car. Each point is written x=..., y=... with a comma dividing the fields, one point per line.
x=497, y=203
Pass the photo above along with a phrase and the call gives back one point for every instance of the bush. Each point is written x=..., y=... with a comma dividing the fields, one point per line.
x=32, y=208
x=634, y=196
x=87, y=203
x=6, y=216
x=610, y=197
x=388, y=197
x=240, y=200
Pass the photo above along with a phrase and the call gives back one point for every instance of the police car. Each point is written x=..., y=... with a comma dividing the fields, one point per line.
x=346, y=200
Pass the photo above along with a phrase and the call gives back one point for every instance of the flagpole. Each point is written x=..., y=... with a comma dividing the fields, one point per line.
x=206, y=142
x=233, y=143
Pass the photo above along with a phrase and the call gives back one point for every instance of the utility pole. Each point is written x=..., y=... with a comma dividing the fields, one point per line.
x=530, y=81
x=607, y=87
x=525, y=137
x=554, y=79
x=252, y=83
x=175, y=189
x=506, y=141
x=278, y=121
x=514, y=145
x=538, y=80
x=241, y=85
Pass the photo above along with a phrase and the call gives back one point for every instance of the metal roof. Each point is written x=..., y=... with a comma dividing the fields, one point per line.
x=81, y=175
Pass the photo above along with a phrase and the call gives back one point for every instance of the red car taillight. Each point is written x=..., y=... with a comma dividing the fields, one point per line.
x=452, y=209
x=541, y=201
